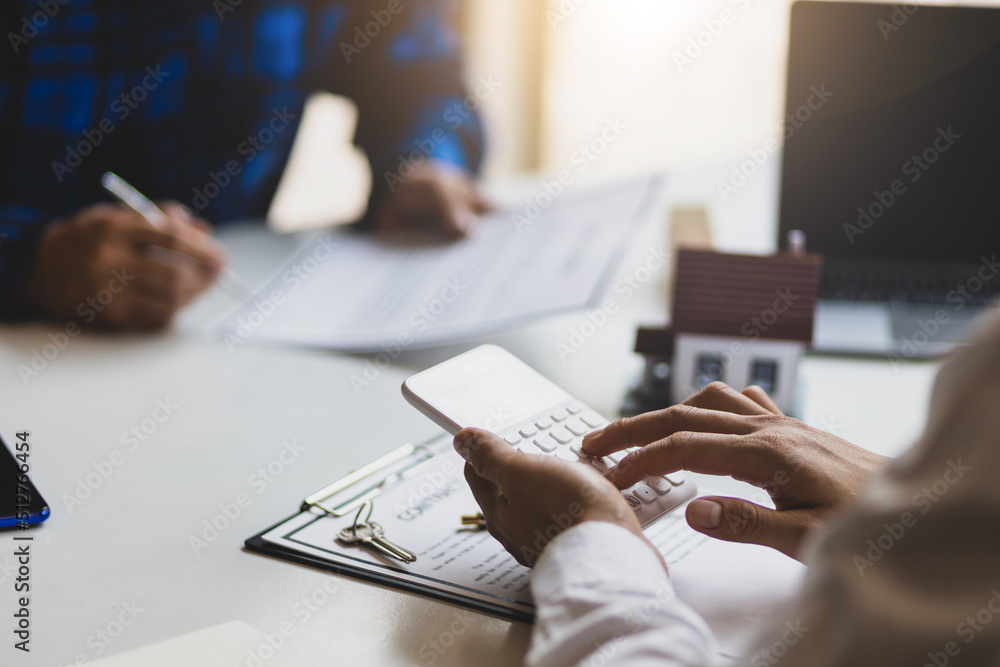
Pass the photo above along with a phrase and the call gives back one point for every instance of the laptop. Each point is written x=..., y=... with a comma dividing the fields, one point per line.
x=890, y=168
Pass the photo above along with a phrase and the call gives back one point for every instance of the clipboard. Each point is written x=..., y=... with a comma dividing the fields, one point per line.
x=339, y=499
x=739, y=589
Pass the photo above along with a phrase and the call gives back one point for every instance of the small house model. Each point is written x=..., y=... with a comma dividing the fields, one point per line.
x=739, y=319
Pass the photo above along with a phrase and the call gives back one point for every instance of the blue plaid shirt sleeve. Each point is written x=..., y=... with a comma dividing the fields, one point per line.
x=171, y=95
x=416, y=108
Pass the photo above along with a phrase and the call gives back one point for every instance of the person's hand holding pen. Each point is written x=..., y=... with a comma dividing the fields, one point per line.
x=106, y=265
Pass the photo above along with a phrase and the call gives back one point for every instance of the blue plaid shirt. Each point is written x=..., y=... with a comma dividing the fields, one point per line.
x=200, y=100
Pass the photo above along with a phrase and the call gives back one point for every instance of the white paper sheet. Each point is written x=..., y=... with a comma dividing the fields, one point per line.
x=740, y=590
x=350, y=292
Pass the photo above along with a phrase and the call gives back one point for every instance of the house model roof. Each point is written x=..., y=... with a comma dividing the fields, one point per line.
x=739, y=295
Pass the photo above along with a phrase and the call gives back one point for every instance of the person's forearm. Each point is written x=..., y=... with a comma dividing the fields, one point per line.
x=603, y=597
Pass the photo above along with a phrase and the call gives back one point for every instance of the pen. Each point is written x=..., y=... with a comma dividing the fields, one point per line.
x=152, y=214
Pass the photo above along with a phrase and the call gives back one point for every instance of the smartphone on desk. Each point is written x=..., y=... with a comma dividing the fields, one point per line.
x=21, y=505
x=490, y=388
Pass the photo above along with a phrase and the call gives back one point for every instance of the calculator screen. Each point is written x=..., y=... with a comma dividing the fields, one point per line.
x=487, y=388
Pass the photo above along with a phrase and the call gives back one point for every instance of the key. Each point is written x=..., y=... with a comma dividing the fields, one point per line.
x=513, y=439
x=562, y=436
x=574, y=408
x=592, y=420
x=528, y=431
x=632, y=501
x=371, y=535
x=576, y=427
x=566, y=455
x=380, y=536
x=660, y=485
x=558, y=416
x=543, y=424
x=545, y=444
x=646, y=494
x=603, y=465
x=675, y=478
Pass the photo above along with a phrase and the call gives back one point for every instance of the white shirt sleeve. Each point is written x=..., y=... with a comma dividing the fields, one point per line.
x=603, y=598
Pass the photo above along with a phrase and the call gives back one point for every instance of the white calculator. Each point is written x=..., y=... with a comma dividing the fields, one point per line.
x=490, y=388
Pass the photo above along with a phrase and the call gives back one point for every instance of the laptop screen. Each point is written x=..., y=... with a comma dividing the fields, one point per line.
x=892, y=141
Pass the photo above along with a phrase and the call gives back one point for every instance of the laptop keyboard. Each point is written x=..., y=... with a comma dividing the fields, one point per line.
x=907, y=283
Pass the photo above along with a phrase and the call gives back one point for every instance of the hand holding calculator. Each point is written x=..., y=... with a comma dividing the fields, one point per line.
x=490, y=388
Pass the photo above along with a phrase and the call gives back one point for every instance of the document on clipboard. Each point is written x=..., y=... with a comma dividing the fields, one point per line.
x=420, y=494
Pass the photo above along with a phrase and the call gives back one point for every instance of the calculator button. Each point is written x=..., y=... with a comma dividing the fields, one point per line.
x=646, y=494
x=562, y=436
x=528, y=431
x=559, y=415
x=528, y=449
x=675, y=478
x=566, y=455
x=592, y=420
x=545, y=444
x=543, y=423
x=577, y=448
x=512, y=439
x=659, y=484
x=632, y=501
x=576, y=427
x=575, y=408
x=602, y=464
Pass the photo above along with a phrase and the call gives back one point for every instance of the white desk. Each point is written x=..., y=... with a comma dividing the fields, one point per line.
x=129, y=541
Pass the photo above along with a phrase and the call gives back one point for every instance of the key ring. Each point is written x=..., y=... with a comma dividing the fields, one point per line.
x=371, y=508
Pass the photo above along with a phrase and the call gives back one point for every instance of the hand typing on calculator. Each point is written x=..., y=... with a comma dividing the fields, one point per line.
x=539, y=461
x=809, y=474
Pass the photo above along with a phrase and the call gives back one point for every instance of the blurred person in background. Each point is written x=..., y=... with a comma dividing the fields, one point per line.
x=197, y=103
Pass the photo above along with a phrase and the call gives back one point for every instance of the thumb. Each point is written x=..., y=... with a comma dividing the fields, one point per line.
x=490, y=457
x=736, y=520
